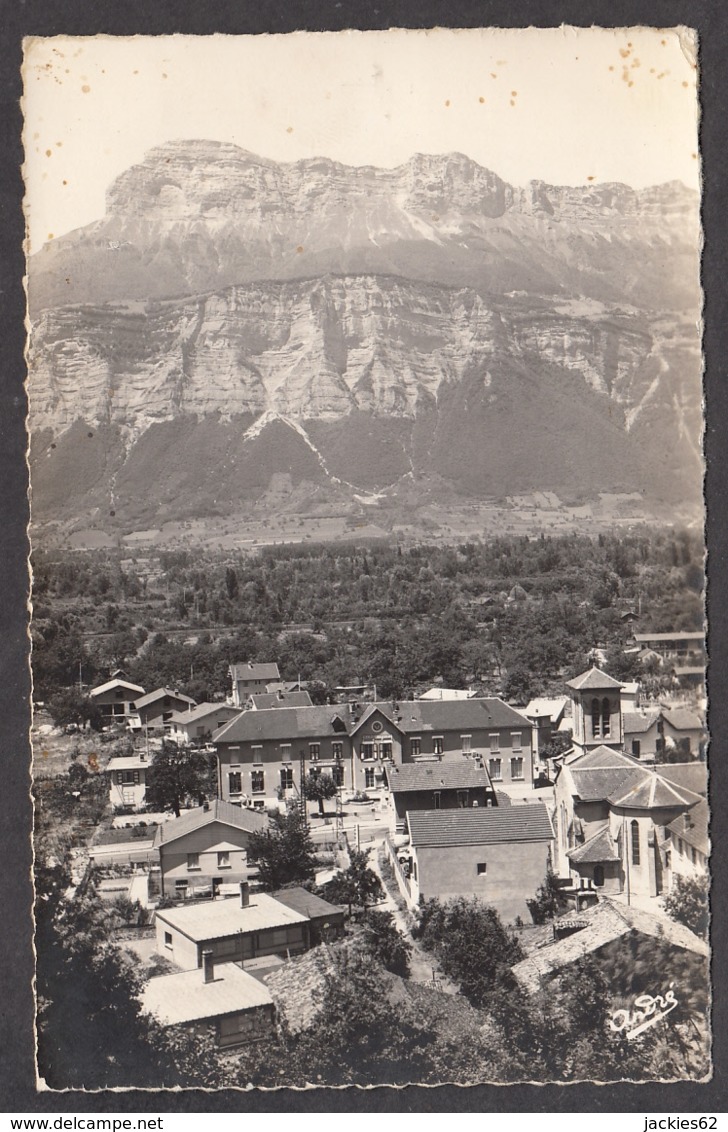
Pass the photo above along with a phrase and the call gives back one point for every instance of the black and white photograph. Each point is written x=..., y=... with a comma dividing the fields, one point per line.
x=368, y=630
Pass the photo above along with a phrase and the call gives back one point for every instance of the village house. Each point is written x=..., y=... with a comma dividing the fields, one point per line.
x=259, y=701
x=628, y=943
x=262, y=753
x=251, y=677
x=649, y=735
x=689, y=844
x=611, y=822
x=498, y=854
x=156, y=709
x=197, y=724
x=547, y=716
x=439, y=785
x=255, y=930
x=223, y=997
x=687, y=647
x=206, y=849
x=127, y=777
x=115, y=699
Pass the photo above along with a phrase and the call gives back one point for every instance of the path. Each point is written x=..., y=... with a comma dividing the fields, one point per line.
x=424, y=968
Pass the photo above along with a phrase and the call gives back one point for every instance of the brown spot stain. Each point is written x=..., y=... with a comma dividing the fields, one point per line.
x=447, y=101
x=685, y=84
x=493, y=75
x=481, y=99
x=164, y=76
x=435, y=216
x=514, y=93
x=663, y=42
x=49, y=153
x=590, y=178
x=289, y=130
x=65, y=182
x=610, y=68
x=299, y=249
x=636, y=63
x=501, y=62
x=50, y=235
x=86, y=88
x=512, y=101
x=625, y=52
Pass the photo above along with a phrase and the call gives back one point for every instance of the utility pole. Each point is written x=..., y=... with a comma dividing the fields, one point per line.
x=302, y=772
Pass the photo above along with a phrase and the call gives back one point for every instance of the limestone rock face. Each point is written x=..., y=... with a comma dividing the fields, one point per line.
x=231, y=320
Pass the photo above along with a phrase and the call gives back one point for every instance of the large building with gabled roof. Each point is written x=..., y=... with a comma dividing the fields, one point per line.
x=261, y=752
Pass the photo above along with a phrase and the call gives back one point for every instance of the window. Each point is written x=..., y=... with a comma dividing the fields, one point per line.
x=636, y=746
x=314, y=750
x=494, y=769
x=606, y=719
x=235, y=782
x=223, y=860
x=599, y=876
x=437, y=744
x=516, y=740
x=367, y=750
x=635, y=834
x=168, y=939
x=337, y=750
x=482, y=868
x=369, y=778
x=438, y=800
x=286, y=778
x=337, y=774
x=257, y=749
x=596, y=719
x=257, y=780
x=129, y=777
x=415, y=746
x=462, y=799
x=517, y=769
x=494, y=741
x=466, y=743
x=193, y=862
x=693, y=855
x=385, y=749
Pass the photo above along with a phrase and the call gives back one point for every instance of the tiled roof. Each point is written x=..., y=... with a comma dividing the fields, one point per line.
x=251, y=671
x=606, y=922
x=201, y=711
x=688, y=776
x=159, y=694
x=299, y=986
x=415, y=716
x=635, y=723
x=282, y=723
x=217, y=811
x=681, y=636
x=221, y=918
x=111, y=684
x=305, y=902
x=186, y=997
x=461, y=775
x=545, y=708
x=601, y=757
x=483, y=826
x=593, y=680
x=597, y=785
x=651, y=791
x=597, y=849
x=262, y=700
x=693, y=827
x=682, y=719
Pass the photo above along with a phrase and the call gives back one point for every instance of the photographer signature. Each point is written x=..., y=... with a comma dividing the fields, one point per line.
x=647, y=1010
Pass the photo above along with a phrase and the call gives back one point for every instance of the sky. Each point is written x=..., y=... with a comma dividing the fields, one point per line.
x=563, y=105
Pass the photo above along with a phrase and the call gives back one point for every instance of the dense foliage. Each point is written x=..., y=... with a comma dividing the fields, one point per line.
x=513, y=613
x=178, y=774
x=284, y=853
x=688, y=902
x=357, y=884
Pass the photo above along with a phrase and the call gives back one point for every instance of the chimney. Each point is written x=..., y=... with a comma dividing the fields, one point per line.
x=244, y=894
x=205, y=806
x=208, y=967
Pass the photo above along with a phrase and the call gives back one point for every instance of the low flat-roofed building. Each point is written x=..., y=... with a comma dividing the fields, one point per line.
x=237, y=1005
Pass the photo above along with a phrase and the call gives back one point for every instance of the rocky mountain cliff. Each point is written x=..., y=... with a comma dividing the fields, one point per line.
x=231, y=318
